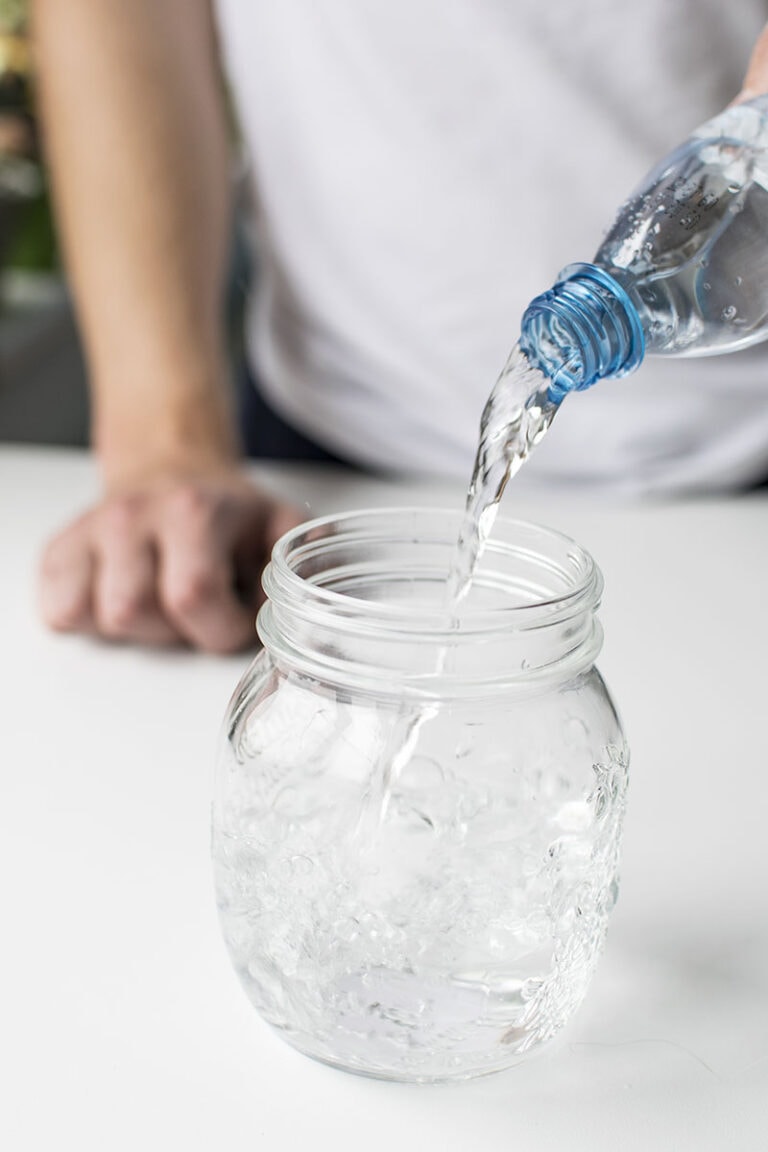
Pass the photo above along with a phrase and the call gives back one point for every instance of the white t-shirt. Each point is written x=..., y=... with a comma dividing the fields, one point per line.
x=422, y=169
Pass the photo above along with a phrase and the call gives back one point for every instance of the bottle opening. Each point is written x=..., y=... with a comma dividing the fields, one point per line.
x=582, y=330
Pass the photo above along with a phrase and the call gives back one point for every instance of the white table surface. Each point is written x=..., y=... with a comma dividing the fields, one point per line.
x=122, y=1025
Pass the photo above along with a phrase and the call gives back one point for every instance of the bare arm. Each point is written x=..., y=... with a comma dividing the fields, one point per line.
x=136, y=139
x=137, y=146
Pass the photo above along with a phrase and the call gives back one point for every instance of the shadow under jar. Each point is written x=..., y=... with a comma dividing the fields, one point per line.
x=418, y=808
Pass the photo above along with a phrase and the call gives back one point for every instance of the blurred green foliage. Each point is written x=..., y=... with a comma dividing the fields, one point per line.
x=27, y=234
x=31, y=245
x=13, y=15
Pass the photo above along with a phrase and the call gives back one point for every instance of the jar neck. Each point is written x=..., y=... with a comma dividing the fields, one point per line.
x=360, y=601
x=583, y=329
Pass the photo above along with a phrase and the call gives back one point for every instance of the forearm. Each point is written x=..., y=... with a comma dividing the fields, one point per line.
x=137, y=144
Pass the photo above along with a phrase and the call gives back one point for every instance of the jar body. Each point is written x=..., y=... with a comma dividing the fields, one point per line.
x=417, y=886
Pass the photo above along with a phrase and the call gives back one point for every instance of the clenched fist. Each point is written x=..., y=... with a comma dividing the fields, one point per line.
x=171, y=561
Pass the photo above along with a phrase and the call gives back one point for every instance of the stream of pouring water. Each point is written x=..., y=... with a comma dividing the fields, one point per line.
x=515, y=419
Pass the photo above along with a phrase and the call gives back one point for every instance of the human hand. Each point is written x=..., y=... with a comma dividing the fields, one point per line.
x=756, y=79
x=171, y=560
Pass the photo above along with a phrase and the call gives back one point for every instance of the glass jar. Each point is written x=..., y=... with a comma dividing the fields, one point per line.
x=418, y=810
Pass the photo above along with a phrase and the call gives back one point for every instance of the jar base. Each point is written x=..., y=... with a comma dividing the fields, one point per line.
x=411, y=1033
x=403, y=1076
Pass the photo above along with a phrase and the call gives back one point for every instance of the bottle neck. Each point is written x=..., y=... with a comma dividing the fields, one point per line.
x=582, y=330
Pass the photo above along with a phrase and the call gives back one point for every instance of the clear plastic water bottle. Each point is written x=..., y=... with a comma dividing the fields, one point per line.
x=682, y=272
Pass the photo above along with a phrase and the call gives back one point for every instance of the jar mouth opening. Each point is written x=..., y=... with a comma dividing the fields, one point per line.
x=389, y=567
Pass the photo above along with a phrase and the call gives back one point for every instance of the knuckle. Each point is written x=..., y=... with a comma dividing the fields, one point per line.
x=189, y=504
x=51, y=561
x=61, y=617
x=119, y=615
x=191, y=591
x=119, y=517
x=62, y=608
x=63, y=595
x=62, y=550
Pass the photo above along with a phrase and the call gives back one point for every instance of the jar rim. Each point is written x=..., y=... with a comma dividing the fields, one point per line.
x=308, y=541
x=509, y=640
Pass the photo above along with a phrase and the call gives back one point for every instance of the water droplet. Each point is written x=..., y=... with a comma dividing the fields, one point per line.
x=728, y=312
x=738, y=281
x=707, y=286
x=301, y=865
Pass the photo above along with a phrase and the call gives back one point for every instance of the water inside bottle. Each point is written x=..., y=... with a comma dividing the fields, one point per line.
x=691, y=246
